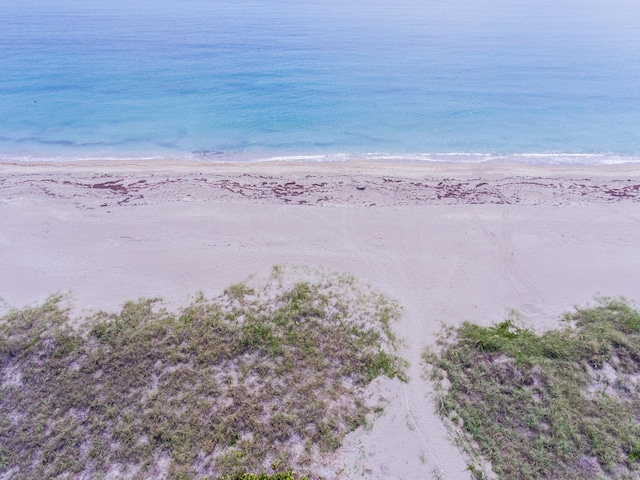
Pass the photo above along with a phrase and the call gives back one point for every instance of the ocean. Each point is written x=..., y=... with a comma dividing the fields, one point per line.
x=443, y=80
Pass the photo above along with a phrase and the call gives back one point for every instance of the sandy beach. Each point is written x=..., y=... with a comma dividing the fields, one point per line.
x=449, y=242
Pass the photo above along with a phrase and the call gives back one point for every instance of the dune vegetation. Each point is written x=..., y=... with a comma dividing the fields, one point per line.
x=254, y=383
x=564, y=404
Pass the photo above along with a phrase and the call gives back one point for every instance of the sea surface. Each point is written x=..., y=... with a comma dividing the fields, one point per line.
x=259, y=79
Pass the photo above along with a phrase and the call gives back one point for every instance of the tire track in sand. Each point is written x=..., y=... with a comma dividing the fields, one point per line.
x=519, y=284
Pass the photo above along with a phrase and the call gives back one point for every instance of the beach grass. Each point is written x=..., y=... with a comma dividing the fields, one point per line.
x=259, y=380
x=564, y=404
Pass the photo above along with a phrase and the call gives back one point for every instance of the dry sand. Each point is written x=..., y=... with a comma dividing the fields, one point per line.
x=448, y=242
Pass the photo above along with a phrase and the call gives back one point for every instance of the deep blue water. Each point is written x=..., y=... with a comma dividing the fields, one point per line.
x=89, y=78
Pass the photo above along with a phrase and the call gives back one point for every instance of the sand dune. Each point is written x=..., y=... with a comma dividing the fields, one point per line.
x=448, y=242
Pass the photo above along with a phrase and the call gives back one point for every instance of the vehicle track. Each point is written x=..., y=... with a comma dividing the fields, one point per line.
x=519, y=283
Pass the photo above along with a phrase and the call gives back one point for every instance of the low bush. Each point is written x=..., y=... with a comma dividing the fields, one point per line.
x=564, y=404
x=260, y=379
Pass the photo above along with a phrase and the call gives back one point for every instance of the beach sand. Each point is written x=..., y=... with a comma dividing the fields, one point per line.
x=449, y=242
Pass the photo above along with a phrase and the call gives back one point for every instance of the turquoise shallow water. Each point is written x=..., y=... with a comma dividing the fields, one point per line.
x=264, y=78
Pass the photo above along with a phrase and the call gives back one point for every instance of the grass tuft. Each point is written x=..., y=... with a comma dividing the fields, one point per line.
x=287, y=475
x=223, y=387
x=564, y=404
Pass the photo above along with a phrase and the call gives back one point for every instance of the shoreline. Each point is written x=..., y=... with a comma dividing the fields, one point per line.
x=206, y=157
x=280, y=167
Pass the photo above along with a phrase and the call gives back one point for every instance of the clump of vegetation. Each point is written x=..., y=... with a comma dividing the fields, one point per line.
x=256, y=380
x=562, y=405
x=287, y=475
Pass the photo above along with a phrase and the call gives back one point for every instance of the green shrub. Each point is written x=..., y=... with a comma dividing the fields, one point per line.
x=288, y=475
x=540, y=406
x=221, y=387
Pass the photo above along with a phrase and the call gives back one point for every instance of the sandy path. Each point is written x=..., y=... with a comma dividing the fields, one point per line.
x=535, y=240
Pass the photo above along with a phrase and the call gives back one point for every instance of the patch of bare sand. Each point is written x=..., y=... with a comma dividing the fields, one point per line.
x=448, y=242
